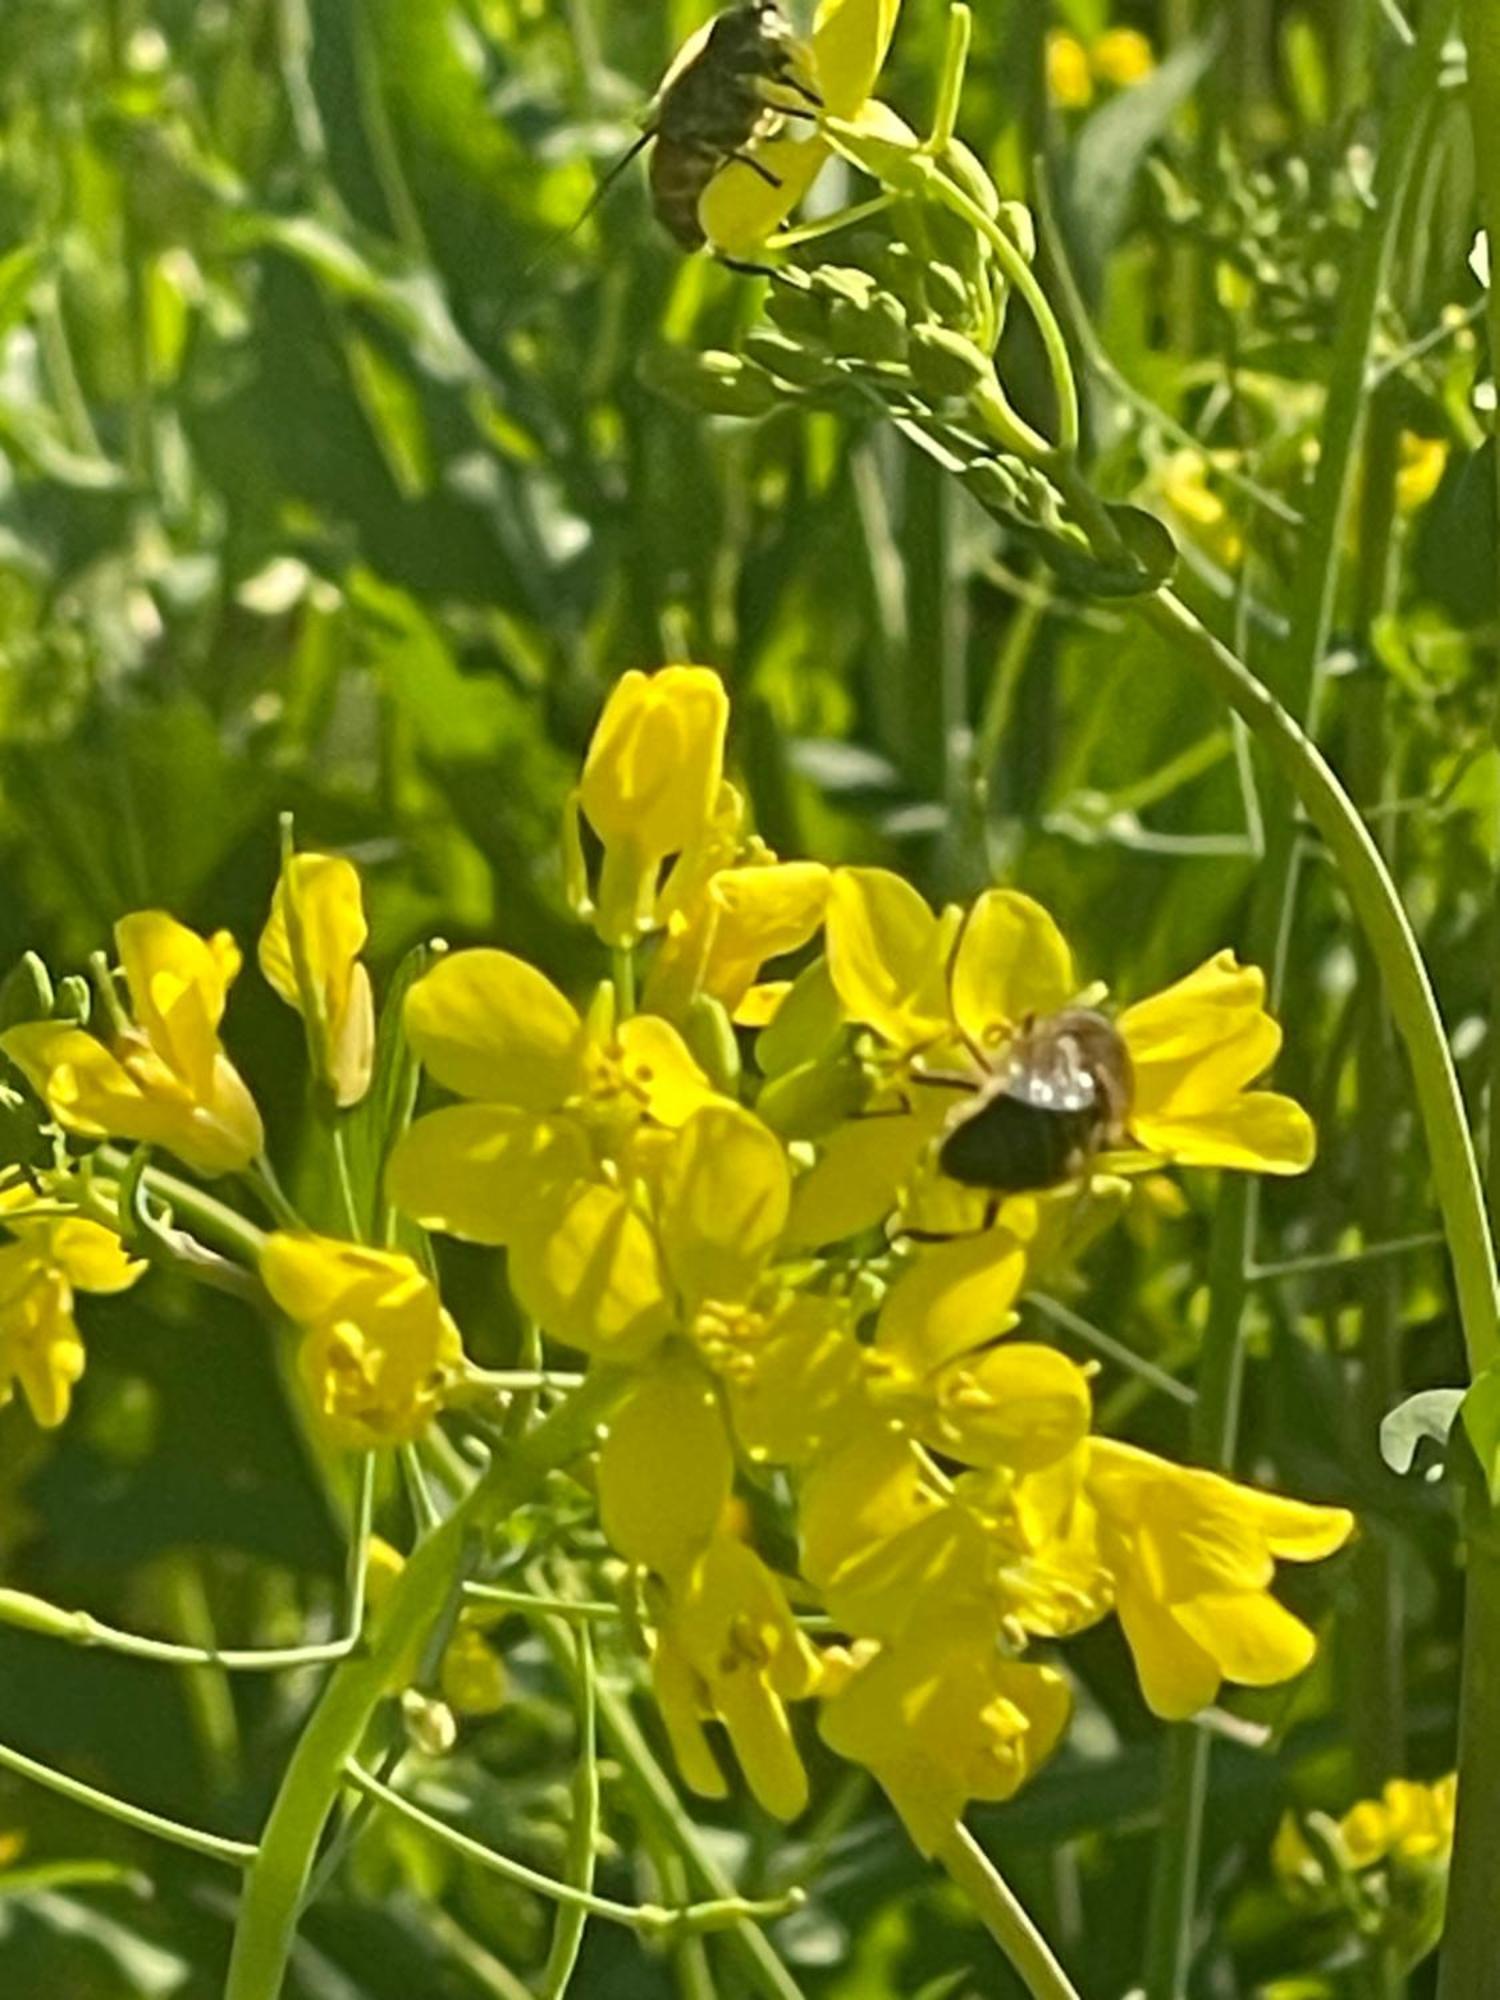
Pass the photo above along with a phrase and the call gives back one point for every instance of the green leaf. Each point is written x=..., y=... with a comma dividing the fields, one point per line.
x=1428, y=1415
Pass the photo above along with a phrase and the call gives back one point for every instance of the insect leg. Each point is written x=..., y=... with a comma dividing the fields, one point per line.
x=756, y=167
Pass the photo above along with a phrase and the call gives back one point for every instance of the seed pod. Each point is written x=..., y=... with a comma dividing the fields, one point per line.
x=719, y=384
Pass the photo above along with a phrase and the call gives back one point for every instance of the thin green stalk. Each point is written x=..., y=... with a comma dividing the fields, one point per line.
x=622, y=966
x=583, y=1833
x=657, y=1796
x=237, y=1852
x=649, y=1919
x=997, y=1907
x=1470, y=1964
x=215, y=1221
x=1375, y=1662
x=316, y=1773
x=340, y=1148
x=1387, y=931
x=572, y=1611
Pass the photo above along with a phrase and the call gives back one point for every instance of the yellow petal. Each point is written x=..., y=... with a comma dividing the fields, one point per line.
x=678, y=1696
x=725, y=1196
x=955, y=1297
x=658, y=1064
x=861, y=1169
x=1254, y=1640
x=178, y=985
x=740, y=208
x=653, y=770
x=592, y=1278
x=321, y=894
x=1259, y=1132
x=490, y=1026
x=862, y=1494
x=1012, y=962
x=39, y=1343
x=886, y=954
x=1199, y=1043
x=1298, y=1531
x=666, y=1468
x=483, y=1171
x=1178, y=1677
x=91, y=1256
x=1020, y=1405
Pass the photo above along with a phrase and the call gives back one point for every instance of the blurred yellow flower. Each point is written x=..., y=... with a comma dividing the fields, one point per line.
x=1070, y=78
x=377, y=1348
x=309, y=952
x=162, y=1078
x=51, y=1258
x=649, y=787
x=1121, y=57
x=741, y=206
x=1192, y=1556
x=1423, y=461
x=741, y=917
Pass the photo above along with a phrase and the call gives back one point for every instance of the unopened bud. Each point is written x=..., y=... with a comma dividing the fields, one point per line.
x=714, y=382
x=429, y=1724
x=789, y=359
x=944, y=363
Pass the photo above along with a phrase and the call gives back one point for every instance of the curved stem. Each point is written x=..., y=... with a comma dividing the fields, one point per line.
x=316, y=1774
x=237, y=1852
x=1388, y=932
x=1013, y=263
x=999, y=1909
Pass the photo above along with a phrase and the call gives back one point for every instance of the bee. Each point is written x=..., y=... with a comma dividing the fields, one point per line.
x=718, y=97
x=1060, y=1096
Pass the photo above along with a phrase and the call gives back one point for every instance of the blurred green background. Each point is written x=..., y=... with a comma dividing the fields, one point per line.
x=331, y=480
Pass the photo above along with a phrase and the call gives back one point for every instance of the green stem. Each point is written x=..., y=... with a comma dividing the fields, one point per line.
x=215, y=1221
x=997, y=1907
x=583, y=1833
x=951, y=83
x=1019, y=273
x=1393, y=946
x=316, y=1773
x=1470, y=1965
x=654, y=1791
x=78, y=1628
x=622, y=965
x=237, y=1852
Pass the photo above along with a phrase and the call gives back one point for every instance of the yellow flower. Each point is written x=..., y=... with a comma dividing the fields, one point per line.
x=163, y=1079
x=53, y=1256
x=309, y=952
x=650, y=785
x=954, y=991
x=740, y=207
x=1423, y=461
x=1408, y=1823
x=377, y=1347
x=1182, y=479
x=943, y=1717
x=615, y=1271
x=1194, y=1050
x=1121, y=57
x=1070, y=80
x=1192, y=1556
x=667, y=1467
x=740, y=918
x=728, y=1646
x=551, y=1093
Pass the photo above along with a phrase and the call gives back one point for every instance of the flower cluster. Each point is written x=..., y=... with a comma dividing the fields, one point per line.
x=789, y=1173
x=1382, y=1867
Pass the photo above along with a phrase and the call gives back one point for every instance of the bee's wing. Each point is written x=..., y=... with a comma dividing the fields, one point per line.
x=1050, y=1075
x=681, y=63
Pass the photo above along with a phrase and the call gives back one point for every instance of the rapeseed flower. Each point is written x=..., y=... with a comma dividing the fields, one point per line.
x=378, y=1349
x=1192, y=1556
x=162, y=1077
x=51, y=1258
x=741, y=206
x=309, y=952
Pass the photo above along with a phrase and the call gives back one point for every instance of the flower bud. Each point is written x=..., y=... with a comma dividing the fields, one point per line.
x=947, y=364
x=717, y=383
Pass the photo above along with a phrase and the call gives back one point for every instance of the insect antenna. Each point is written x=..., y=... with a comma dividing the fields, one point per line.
x=612, y=174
